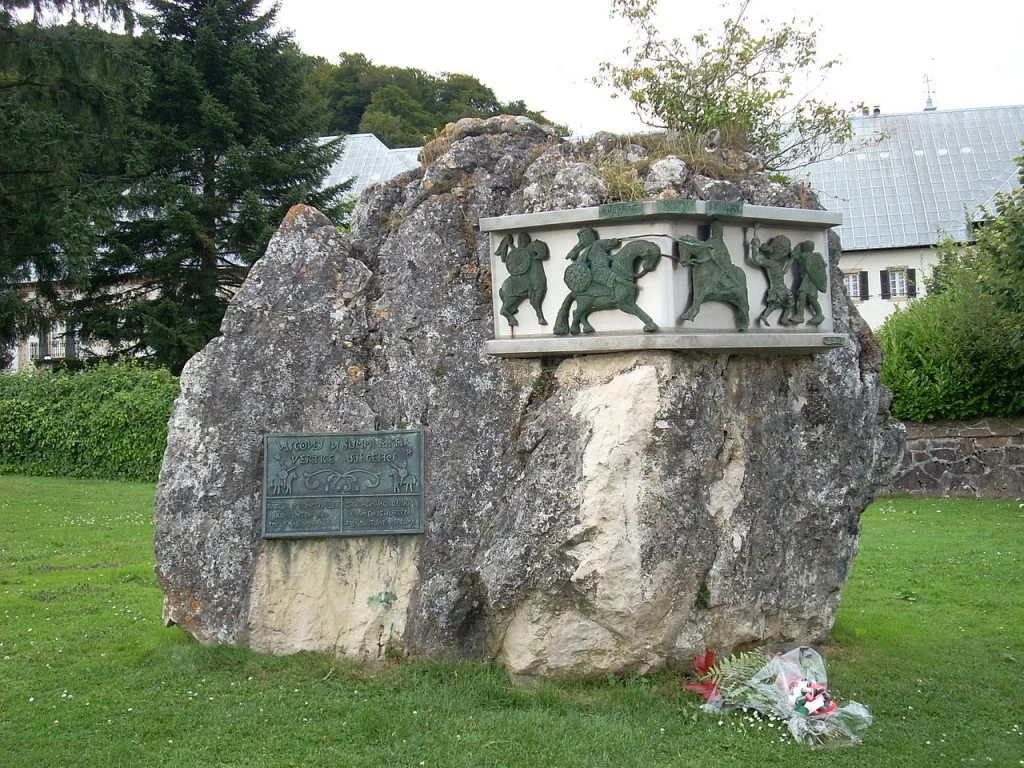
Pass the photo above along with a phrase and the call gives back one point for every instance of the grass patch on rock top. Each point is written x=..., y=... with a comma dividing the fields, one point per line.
x=930, y=636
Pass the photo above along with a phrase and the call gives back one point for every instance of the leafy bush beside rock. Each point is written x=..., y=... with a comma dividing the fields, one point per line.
x=958, y=353
x=107, y=422
x=951, y=356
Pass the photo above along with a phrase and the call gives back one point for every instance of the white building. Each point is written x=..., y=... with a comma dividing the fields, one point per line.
x=907, y=181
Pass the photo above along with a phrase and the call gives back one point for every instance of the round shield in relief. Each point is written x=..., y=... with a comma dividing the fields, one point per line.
x=518, y=261
x=577, y=276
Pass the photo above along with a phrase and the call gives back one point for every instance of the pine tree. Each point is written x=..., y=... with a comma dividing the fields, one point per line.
x=229, y=144
x=64, y=95
x=108, y=10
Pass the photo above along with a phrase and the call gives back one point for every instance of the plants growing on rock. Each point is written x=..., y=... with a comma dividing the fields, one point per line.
x=741, y=80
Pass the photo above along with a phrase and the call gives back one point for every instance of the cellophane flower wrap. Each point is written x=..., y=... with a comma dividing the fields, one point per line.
x=791, y=686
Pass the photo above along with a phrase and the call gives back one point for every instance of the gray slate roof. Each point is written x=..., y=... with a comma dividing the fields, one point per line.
x=366, y=160
x=913, y=186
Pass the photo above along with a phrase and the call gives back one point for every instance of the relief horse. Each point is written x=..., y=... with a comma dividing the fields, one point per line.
x=713, y=275
x=591, y=296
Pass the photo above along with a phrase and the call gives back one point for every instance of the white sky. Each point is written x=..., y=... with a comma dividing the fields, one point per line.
x=546, y=51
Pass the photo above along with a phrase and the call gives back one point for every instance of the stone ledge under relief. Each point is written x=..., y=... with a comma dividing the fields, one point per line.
x=730, y=212
x=750, y=342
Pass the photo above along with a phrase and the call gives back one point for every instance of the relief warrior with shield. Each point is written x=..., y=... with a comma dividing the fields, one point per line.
x=813, y=279
x=526, y=278
x=601, y=277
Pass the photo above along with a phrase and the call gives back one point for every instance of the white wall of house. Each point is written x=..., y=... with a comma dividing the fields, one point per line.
x=903, y=271
x=54, y=344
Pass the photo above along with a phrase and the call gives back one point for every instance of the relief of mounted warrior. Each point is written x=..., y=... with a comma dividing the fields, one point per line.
x=601, y=277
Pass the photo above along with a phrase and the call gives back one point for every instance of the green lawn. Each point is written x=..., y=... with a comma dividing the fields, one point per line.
x=930, y=636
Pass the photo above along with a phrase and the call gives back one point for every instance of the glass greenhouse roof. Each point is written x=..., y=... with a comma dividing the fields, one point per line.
x=367, y=161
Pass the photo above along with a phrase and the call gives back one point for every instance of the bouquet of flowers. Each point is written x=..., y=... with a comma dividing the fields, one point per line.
x=791, y=686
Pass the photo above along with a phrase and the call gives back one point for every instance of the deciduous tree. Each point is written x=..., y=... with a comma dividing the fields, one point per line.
x=745, y=82
x=396, y=118
x=958, y=352
x=404, y=106
x=347, y=89
x=998, y=252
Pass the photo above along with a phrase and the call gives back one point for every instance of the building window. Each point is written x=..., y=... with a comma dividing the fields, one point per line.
x=57, y=347
x=852, y=284
x=856, y=284
x=54, y=343
x=40, y=348
x=898, y=283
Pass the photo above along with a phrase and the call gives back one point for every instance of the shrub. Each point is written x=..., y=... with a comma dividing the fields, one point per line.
x=951, y=356
x=106, y=422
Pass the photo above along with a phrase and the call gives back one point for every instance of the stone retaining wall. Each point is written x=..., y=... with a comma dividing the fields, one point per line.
x=981, y=459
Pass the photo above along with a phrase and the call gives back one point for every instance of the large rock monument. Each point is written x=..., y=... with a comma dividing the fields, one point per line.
x=582, y=513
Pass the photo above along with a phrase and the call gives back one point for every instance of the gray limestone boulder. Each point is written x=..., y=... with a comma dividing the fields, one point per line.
x=606, y=513
x=666, y=175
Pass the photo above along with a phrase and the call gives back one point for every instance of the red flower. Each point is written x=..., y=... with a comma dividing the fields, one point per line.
x=702, y=664
x=707, y=689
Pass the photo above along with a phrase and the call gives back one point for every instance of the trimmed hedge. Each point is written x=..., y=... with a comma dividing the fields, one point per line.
x=107, y=422
x=951, y=356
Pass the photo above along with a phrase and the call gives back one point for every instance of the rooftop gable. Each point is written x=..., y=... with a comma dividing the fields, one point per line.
x=922, y=178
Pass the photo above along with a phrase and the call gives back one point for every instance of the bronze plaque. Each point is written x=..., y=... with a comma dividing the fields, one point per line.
x=358, y=484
